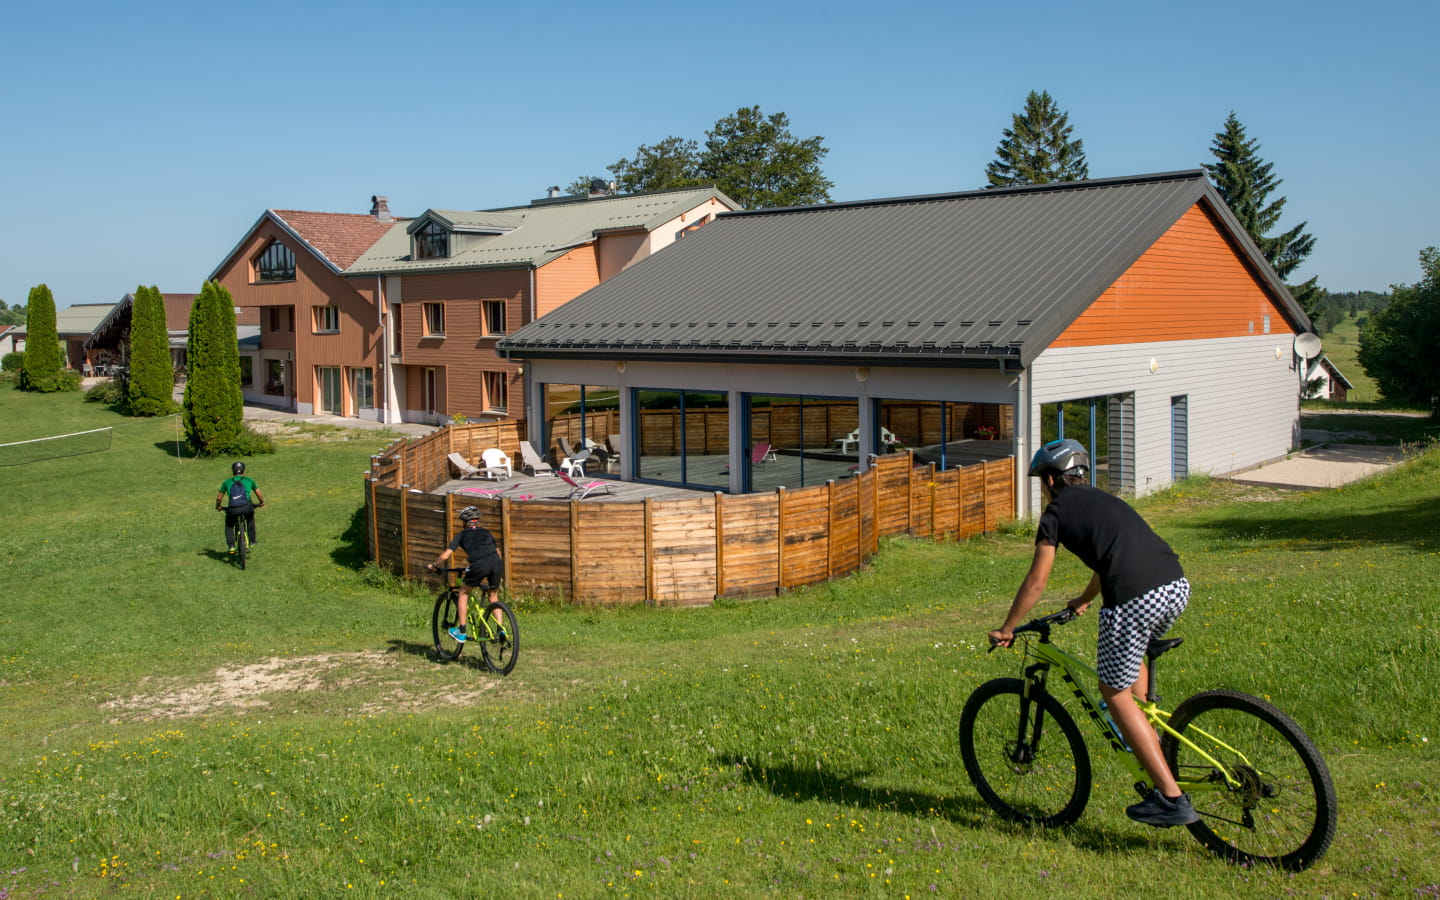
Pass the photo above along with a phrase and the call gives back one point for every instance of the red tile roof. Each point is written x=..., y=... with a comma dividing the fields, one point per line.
x=339, y=237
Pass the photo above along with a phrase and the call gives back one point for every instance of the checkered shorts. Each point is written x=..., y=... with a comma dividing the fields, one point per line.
x=1127, y=630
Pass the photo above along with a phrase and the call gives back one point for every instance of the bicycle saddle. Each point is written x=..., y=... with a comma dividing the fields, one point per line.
x=1158, y=647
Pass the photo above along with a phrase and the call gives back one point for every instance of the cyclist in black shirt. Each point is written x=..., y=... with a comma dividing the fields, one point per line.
x=1143, y=589
x=483, y=564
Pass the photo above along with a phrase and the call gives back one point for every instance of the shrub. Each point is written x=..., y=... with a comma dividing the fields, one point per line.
x=13, y=362
x=108, y=392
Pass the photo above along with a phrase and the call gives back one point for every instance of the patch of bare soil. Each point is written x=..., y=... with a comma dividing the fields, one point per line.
x=278, y=679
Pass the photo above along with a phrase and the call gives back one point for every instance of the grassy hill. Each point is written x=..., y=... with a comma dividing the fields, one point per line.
x=171, y=726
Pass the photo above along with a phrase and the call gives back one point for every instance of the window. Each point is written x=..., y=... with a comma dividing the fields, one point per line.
x=797, y=441
x=432, y=241
x=1106, y=426
x=584, y=415
x=497, y=395
x=279, y=319
x=327, y=318
x=247, y=371
x=494, y=316
x=434, y=320
x=395, y=331
x=275, y=263
x=684, y=437
x=363, y=388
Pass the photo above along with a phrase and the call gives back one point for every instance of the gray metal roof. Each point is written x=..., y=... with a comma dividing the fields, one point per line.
x=954, y=279
x=536, y=234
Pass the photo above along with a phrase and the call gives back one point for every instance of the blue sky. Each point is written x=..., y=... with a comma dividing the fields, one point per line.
x=140, y=141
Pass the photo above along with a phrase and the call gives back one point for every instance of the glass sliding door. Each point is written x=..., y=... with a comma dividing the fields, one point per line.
x=798, y=440
x=580, y=417
x=330, y=393
x=683, y=437
x=1106, y=426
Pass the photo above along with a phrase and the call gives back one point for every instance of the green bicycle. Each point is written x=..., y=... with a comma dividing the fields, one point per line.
x=1261, y=787
x=492, y=626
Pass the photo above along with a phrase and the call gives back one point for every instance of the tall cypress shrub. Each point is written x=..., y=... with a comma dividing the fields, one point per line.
x=214, y=405
x=152, y=378
x=43, y=361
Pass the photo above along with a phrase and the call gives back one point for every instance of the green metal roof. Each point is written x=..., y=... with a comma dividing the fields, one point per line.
x=537, y=233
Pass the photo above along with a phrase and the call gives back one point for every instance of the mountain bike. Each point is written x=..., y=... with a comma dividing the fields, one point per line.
x=492, y=626
x=1261, y=788
x=242, y=537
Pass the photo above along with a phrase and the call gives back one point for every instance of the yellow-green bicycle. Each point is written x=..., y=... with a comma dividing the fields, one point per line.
x=1261, y=787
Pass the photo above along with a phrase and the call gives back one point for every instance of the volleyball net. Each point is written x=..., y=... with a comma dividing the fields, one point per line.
x=77, y=443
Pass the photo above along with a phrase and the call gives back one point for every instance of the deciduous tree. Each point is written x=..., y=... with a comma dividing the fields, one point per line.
x=152, y=378
x=753, y=158
x=1400, y=344
x=1037, y=148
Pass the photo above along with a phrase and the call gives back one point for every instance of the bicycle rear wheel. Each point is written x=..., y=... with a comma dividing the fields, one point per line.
x=501, y=646
x=1036, y=770
x=1282, y=812
x=445, y=617
x=242, y=541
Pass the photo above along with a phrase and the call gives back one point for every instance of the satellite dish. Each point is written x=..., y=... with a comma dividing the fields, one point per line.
x=1307, y=345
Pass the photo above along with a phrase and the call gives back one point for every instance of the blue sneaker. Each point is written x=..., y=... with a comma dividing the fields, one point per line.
x=458, y=635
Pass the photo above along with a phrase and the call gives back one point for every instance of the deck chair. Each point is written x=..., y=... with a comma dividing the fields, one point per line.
x=488, y=493
x=579, y=491
x=849, y=442
x=464, y=468
x=761, y=454
x=565, y=447
x=496, y=463
x=533, y=461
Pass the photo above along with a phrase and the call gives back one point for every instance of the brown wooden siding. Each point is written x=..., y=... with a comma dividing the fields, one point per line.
x=1191, y=284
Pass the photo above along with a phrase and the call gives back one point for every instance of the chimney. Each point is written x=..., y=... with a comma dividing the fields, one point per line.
x=552, y=191
x=380, y=208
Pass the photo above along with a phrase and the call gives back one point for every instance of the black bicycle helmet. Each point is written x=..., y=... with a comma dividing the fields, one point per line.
x=469, y=513
x=1063, y=457
x=237, y=467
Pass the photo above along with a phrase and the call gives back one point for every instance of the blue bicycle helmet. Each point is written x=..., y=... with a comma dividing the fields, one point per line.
x=1063, y=457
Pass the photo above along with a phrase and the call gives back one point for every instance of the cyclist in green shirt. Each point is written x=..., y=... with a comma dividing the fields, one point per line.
x=234, y=499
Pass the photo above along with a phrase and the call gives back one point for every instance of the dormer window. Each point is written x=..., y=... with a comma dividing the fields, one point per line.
x=432, y=241
x=275, y=263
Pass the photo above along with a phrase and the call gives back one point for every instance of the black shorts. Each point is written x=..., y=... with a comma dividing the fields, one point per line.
x=487, y=570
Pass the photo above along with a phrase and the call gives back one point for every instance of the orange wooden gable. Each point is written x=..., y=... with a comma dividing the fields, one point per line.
x=1190, y=284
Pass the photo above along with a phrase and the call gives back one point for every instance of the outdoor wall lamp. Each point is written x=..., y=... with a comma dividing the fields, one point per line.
x=1154, y=366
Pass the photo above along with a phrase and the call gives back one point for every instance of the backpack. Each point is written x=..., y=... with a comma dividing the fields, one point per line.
x=239, y=496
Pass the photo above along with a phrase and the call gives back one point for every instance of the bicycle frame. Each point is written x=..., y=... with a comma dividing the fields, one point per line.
x=480, y=626
x=1078, y=676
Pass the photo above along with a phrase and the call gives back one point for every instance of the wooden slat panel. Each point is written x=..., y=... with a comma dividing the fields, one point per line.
x=751, y=555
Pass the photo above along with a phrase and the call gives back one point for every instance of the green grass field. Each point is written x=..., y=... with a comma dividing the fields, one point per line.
x=172, y=726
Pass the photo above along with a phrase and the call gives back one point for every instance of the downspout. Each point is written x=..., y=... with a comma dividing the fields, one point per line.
x=531, y=402
x=382, y=407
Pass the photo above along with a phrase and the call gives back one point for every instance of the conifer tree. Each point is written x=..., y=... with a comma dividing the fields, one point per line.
x=1246, y=182
x=152, y=378
x=43, y=360
x=1037, y=147
x=214, y=404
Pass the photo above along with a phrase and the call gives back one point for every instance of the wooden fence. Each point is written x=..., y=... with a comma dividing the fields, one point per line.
x=682, y=552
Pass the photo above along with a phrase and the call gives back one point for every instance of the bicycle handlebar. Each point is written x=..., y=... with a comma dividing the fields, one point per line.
x=1042, y=625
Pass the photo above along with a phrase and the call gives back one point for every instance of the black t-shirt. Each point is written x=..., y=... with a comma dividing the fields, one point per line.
x=478, y=544
x=1111, y=539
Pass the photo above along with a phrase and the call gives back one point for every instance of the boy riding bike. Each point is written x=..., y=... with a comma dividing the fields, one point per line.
x=234, y=499
x=1143, y=589
x=484, y=567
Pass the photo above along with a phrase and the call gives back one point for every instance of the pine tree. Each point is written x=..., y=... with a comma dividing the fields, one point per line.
x=152, y=378
x=1246, y=182
x=43, y=360
x=1037, y=148
x=214, y=404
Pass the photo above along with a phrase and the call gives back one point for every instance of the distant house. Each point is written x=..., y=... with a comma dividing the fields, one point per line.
x=1324, y=381
x=1133, y=314
x=12, y=338
x=75, y=324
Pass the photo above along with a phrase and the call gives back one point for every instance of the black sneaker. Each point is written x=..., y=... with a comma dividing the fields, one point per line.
x=1162, y=812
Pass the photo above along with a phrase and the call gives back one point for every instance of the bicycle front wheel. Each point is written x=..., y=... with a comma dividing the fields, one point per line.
x=445, y=617
x=1280, y=808
x=501, y=646
x=1031, y=766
